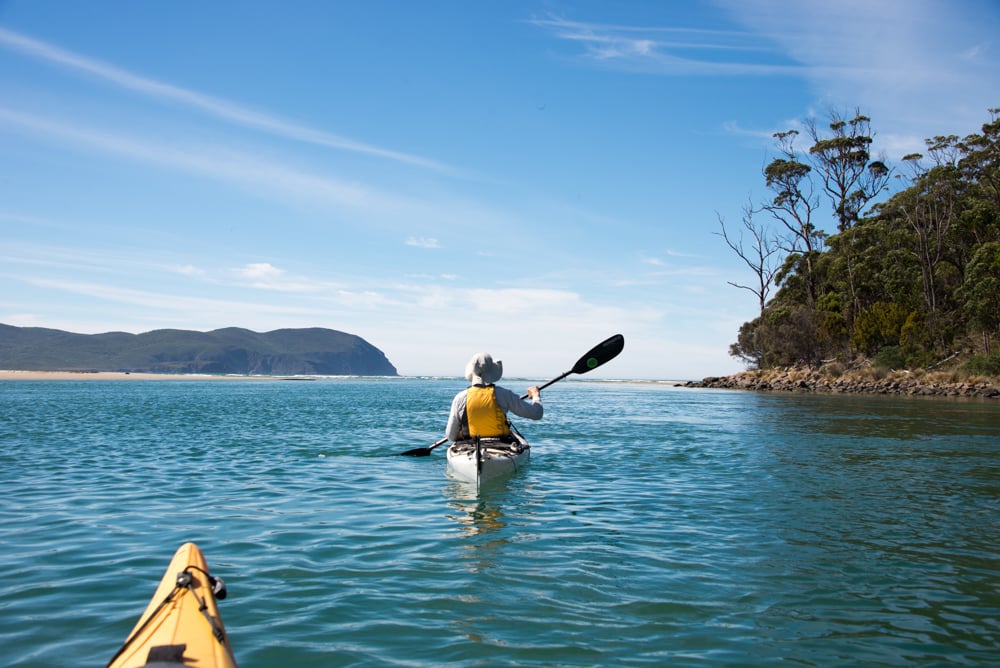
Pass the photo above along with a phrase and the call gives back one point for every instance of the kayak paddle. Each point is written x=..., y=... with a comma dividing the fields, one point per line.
x=423, y=452
x=603, y=352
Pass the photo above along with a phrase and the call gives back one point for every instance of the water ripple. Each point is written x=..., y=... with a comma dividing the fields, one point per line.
x=654, y=526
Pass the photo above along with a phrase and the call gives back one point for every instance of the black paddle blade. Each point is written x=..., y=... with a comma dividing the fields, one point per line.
x=603, y=352
x=424, y=452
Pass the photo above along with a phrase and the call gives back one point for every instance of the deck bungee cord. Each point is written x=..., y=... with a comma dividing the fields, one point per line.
x=182, y=624
x=185, y=582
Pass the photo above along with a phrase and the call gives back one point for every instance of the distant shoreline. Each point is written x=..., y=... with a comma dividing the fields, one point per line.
x=785, y=380
x=897, y=383
x=17, y=374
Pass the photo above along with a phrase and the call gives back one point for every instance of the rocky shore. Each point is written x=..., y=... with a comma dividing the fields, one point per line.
x=865, y=381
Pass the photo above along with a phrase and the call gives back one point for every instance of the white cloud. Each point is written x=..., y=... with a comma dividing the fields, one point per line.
x=414, y=323
x=265, y=276
x=189, y=270
x=423, y=242
x=259, y=271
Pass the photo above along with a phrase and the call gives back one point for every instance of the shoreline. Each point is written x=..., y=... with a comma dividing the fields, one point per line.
x=27, y=374
x=894, y=383
x=898, y=383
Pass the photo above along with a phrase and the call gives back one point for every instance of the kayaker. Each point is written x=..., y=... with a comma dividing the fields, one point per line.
x=481, y=409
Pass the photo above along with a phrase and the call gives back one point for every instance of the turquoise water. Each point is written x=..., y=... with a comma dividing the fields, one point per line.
x=655, y=525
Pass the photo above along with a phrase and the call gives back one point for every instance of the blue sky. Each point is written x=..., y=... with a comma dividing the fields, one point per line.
x=524, y=177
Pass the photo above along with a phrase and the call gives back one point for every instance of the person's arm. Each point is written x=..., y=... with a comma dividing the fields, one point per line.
x=530, y=408
x=454, y=429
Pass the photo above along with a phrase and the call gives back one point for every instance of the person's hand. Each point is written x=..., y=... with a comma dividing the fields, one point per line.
x=533, y=393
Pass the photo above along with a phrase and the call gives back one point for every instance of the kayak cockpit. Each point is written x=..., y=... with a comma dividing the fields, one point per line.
x=477, y=460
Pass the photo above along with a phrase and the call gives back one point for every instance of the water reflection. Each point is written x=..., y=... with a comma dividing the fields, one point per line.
x=484, y=525
x=476, y=513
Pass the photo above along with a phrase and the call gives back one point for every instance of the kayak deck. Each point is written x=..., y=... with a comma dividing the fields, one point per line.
x=181, y=626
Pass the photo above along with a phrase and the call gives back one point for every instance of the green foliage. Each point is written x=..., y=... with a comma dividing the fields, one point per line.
x=832, y=327
x=913, y=334
x=984, y=365
x=878, y=326
x=784, y=175
x=782, y=336
x=981, y=292
x=850, y=177
x=891, y=357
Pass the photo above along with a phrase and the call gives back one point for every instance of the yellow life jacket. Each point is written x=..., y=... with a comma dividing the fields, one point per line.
x=486, y=418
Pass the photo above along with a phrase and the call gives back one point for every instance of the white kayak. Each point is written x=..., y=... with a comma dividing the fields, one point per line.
x=487, y=458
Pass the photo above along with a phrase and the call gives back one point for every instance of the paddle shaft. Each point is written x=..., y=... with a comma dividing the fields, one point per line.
x=605, y=351
x=441, y=442
x=554, y=380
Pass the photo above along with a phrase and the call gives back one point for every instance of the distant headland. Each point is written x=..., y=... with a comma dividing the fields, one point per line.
x=234, y=351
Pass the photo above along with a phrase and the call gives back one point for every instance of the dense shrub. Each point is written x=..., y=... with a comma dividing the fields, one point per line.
x=891, y=357
x=983, y=365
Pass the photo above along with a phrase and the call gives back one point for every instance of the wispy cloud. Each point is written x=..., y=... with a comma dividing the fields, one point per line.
x=234, y=167
x=213, y=106
x=260, y=175
x=920, y=67
x=669, y=50
x=164, y=302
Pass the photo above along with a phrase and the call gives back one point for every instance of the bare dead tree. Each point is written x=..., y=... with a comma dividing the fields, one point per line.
x=757, y=248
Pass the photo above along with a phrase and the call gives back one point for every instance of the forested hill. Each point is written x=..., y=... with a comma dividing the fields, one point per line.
x=313, y=351
x=909, y=282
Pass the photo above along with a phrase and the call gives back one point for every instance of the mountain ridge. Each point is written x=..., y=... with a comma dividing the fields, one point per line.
x=230, y=350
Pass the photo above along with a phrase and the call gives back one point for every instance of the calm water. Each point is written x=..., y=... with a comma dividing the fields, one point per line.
x=655, y=525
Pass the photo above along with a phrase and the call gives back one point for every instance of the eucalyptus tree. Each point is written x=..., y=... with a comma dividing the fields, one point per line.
x=794, y=203
x=980, y=164
x=930, y=208
x=851, y=179
x=843, y=161
x=981, y=292
x=981, y=158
